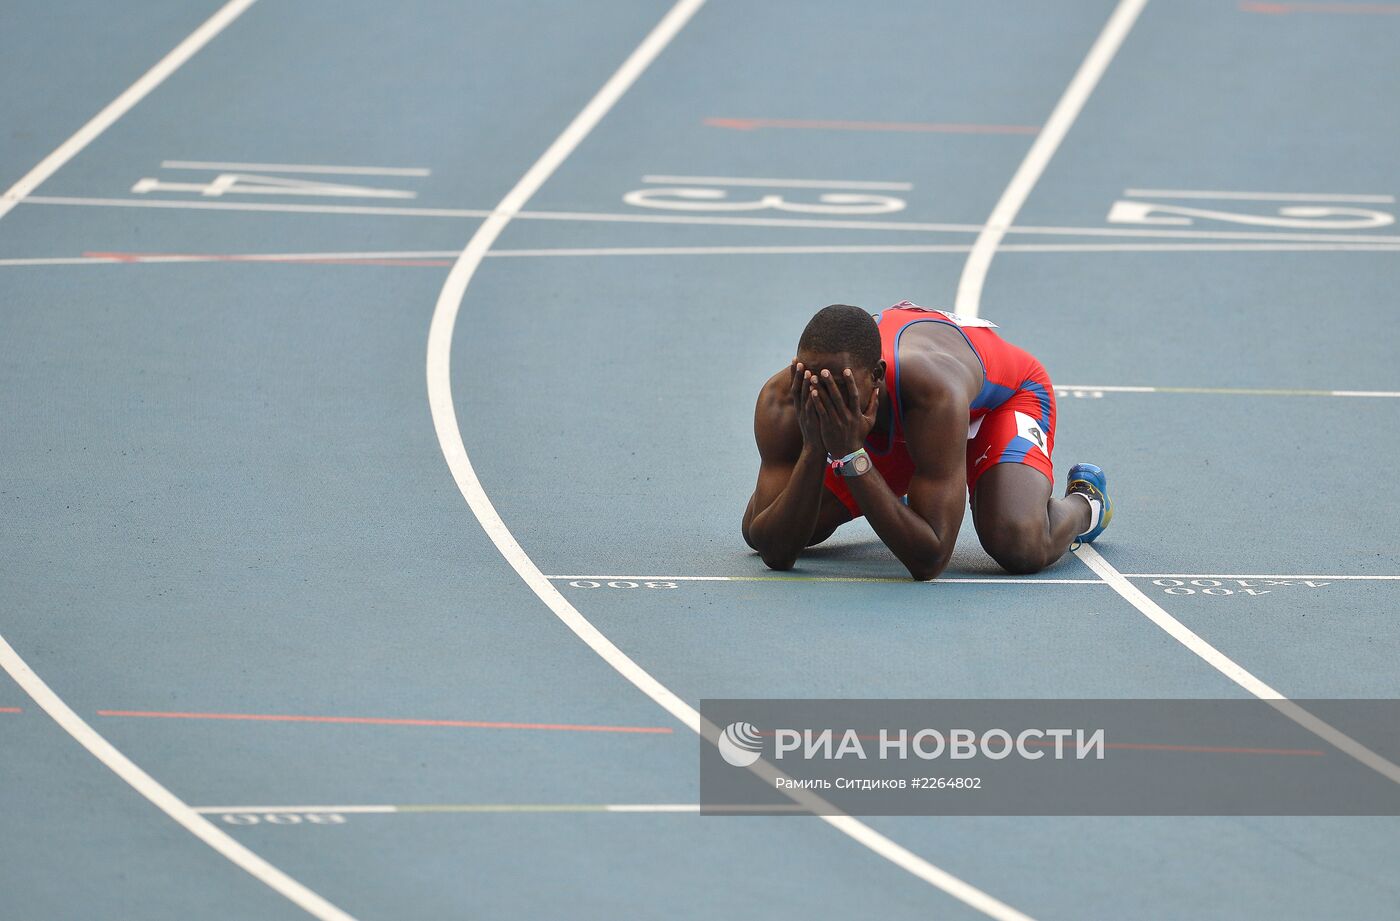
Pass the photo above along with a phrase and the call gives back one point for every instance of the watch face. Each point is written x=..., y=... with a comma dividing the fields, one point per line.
x=861, y=464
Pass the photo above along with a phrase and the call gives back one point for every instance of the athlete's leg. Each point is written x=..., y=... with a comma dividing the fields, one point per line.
x=1019, y=524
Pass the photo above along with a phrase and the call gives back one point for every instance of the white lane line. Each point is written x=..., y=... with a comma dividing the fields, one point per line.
x=1283, y=247
x=163, y=799
x=974, y=274
x=390, y=809
x=182, y=258
x=1257, y=196
x=712, y=220
x=287, y=208
x=23, y=675
x=444, y=414
x=1233, y=391
x=272, y=257
x=783, y=183
x=282, y=257
x=176, y=258
x=1233, y=670
x=298, y=168
x=1227, y=391
x=934, y=227
x=1248, y=576
x=734, y=250
x=61, y=260
x=1123, y=231
x=349, y=810
x=645, y=251
x=860, y=249
x=969, y=303
x=989, y=580
x=1133, y=389
x=123, y=103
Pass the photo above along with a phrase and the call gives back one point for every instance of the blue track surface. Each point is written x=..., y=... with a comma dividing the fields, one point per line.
x=222, y=491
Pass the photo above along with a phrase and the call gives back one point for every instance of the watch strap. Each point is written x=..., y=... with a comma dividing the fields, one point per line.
x=845, y=466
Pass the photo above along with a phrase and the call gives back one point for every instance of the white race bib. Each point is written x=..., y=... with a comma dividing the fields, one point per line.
x=1029, y=429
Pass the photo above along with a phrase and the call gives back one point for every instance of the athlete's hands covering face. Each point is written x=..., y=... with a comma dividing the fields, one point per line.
x=844, y=423
x=807, y=419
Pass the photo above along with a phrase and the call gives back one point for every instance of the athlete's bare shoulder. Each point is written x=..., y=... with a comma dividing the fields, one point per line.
x=937, y=368
x=775, y=425
x=775, y=396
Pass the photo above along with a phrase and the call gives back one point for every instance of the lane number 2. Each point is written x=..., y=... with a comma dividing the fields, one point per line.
x=1317, y=214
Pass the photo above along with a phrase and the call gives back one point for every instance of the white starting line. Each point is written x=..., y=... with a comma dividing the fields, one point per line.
x=1330, y=237
x=236, y=812
x=1080, y=389
x=977, y=580
x=446, y=256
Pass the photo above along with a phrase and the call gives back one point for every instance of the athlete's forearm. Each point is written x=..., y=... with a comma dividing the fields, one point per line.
x=912, y=539
x=780, y=531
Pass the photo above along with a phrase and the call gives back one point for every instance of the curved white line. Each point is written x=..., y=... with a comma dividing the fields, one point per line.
x=454, y=450
x=167, y=802
x=974, y=272
x=969, y=303
x=123, y=103
x=1232, y=669
x=10, y=660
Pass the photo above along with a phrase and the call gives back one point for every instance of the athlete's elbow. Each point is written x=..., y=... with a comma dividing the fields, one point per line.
x=773, y=557
x=780, y=562
x=781, y=559
x=926, y=570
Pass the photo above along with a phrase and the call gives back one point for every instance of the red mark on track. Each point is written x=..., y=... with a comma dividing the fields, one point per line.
x=254, y=257
x=1354, y=9
x=10, y=710
x=382, y=721
x=752, y=124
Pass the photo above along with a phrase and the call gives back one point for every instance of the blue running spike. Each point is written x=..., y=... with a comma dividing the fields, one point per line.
x=1091, y=481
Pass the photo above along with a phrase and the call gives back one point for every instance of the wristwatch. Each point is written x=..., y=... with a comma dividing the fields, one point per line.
x=857, y=463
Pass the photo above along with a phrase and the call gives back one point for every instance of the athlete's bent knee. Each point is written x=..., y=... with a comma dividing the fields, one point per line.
x=1018, y=547
x=1021, y=564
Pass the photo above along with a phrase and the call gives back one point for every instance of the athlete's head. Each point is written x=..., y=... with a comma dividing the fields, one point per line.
x=840, y=337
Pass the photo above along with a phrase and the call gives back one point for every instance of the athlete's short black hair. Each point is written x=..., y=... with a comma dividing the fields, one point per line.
x=843, y=328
